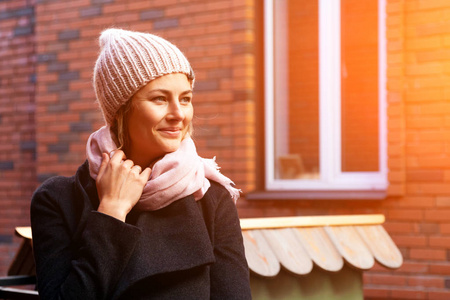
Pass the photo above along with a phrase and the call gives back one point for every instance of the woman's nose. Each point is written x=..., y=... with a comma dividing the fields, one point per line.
x=176, y=111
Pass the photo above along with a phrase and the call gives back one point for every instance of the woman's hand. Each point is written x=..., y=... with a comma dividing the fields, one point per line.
x=119, y=185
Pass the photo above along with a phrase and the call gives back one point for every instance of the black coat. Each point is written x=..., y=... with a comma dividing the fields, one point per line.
x=187, y=250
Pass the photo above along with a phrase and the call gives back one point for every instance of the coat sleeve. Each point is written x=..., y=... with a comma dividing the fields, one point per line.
x=229, y=273
x=88, y=268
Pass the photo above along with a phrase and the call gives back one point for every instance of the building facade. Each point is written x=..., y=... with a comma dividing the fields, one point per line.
x=312, y=107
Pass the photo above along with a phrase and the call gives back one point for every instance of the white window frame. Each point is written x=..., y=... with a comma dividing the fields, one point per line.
x=331, y=177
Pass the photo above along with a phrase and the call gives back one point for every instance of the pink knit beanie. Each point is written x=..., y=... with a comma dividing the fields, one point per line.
x=128, y=60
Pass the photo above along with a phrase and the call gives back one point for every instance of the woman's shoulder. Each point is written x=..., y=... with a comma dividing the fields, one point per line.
x=56, y=182
x=217, y=196
x=217, y=190
x=52, y=189
x=57, y=188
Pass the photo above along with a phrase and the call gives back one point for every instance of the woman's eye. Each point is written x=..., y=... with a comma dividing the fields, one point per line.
x=158, y=99
x=186, y=100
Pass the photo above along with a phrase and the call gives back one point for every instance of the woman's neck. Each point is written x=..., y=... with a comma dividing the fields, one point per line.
x=142, y=160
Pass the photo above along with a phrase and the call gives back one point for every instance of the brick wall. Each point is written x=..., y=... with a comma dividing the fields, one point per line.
x=417, y=208
x=17, y=130
x=418, y=85
x=222, y=42
x=214, y=35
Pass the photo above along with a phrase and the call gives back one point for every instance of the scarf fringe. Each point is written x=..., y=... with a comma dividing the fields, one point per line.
x=222, y=179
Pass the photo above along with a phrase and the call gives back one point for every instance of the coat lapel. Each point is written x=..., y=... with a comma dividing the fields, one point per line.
x=173, y=238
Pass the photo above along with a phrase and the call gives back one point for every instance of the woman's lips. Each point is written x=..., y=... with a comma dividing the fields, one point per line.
x=170, y=132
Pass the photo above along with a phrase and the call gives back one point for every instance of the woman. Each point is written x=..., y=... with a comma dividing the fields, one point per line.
x=144, y=217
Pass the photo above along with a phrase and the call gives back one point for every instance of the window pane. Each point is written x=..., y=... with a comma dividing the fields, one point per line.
x=296, y=93
x=359, y=85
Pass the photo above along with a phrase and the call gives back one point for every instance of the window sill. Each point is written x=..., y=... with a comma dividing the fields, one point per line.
x=316, y=195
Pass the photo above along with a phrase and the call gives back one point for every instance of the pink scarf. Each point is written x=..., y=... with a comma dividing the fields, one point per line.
x=176, y=175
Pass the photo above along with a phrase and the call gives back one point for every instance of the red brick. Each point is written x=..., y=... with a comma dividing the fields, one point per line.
x=52, y=6
x=178, y=10
x=394, y=7
x=428, y=135
x=422, y=122
x=429, y=148
x=426, y=281
x=409, y=240
x=413, y=267
x=408, y=293
x=395, y=189
x=429, y=188
x=395, y=58
x=443, y=202
x=385, y=279
x=395, y=45
x=428, y=228
x=441, y=215
x=428, y=254
x=139, y=5
x=421, y=95
x=432, y=42
x=374, y=291
x=433, y=28
x=70, y=14
x=405, y=214
x=445, y=228
x=432, y=55
x=414, y=202
x=439, y=295
x=115, y=7
x=423, y=16
x=425, y=175
x=218, y=5
x=439, y=242
x=48, y=37
x=395, y=163
x=394, y=176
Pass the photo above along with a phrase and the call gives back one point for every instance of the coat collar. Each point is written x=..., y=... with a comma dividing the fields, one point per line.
x=173, y=238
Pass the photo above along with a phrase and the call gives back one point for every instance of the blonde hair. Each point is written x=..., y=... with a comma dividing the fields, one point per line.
x=120, y=127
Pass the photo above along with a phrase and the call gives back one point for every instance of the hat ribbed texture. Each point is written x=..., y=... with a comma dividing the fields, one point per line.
x=128, y=60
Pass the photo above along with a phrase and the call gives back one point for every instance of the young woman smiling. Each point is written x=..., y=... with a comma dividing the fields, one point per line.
x=144, y=217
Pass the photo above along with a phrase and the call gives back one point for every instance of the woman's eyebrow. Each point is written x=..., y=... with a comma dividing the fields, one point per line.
x=168, y=91
x=158, y=91
x=187, y=92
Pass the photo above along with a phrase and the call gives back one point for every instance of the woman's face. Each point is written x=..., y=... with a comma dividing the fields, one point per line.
x=160, y=116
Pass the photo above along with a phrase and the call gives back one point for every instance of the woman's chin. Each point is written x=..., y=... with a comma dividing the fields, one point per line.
x=171, y=146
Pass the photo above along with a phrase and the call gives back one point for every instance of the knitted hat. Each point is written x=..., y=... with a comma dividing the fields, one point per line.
x=128, y=60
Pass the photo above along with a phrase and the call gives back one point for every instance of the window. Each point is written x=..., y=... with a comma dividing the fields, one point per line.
x=325, y=98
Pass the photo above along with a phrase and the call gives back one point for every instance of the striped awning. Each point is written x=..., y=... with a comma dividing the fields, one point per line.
x=299, y=243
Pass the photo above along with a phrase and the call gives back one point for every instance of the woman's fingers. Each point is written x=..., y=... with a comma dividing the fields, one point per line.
x=120, y=184
x=136, y=168
x=145, y=175
x=127, y=165
x=118, y=156
x=105, y=160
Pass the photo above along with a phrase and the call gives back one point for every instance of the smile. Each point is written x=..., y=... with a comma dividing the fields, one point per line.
x=170, y=132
